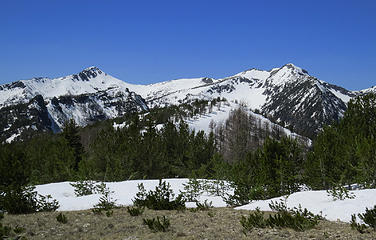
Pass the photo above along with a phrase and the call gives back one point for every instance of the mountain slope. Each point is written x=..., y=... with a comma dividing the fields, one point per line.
x=86, y=97
x=90, y=80
x=287, y=95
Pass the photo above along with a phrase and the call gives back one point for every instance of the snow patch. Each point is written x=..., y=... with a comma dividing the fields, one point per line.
x=343, y=97
x=317, y=202
x=11, y=138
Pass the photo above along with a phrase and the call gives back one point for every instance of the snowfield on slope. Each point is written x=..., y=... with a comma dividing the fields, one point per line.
x=220, y=115
x=317, y=202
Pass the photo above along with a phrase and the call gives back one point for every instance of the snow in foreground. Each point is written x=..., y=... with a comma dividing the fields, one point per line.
x=124, y=192
x=319, y=202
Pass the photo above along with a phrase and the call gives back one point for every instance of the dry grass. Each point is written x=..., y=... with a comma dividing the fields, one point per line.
x=218, y=223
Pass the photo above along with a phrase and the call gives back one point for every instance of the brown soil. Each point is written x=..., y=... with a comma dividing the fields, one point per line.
x=219, y=223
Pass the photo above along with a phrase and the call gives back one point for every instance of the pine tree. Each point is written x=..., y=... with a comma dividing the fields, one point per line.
x=70, y=133
x=344, y=152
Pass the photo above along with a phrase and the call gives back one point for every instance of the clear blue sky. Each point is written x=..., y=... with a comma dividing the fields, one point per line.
x=152, y=41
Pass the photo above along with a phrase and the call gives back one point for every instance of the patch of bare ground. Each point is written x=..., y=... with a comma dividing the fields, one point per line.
x=218, y=223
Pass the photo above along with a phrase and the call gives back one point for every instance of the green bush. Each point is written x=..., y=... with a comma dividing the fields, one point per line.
x=216, y=187
x=5, y=231
x=162, y=198
x=83, y=188
x=18, y=230
x=157, y=225
x=135, y=211
x=61, y=218
x=369, y=219
x=23, y=200
x=19, y=200
x=296, y=218
x=280, y=206
x=244, y=194
x=192, y=190
x=254, y=220
x=47, y=204
x=339, y=192
x=205, y=206
x=8, y=233
x=239, y=197
x=360, y=227
x=106, y=203
x=88, y=187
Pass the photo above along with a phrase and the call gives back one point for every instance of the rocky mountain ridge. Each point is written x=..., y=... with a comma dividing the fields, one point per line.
x=43, y=104
x=287, y=95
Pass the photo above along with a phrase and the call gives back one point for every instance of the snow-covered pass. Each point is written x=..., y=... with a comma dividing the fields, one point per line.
x=318, y=202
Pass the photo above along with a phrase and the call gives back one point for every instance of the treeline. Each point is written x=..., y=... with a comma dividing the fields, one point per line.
x=257, y=157
x=342, y=154
x=140, y=152
x=132, y=152
x=345, y=152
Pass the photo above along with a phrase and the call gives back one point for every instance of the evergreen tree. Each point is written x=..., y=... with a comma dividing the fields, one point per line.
x=51, y=159
x=344, y=153
x=70, y=133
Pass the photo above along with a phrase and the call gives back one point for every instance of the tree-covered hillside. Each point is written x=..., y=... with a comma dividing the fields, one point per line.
x=260, y=161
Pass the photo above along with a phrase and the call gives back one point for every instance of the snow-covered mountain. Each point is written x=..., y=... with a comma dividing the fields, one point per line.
x=287, y=95
x=90, y=80
x=43, y=104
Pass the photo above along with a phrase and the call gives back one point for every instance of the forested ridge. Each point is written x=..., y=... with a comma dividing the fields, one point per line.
x=260, y=161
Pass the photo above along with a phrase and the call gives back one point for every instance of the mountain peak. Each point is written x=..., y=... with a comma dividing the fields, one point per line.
x=294, y=67
x=254, y=73
x=88, y=73
x=91, y=68
x=290, y=65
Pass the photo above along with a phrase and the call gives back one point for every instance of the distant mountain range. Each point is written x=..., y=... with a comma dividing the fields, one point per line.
x=287, y=95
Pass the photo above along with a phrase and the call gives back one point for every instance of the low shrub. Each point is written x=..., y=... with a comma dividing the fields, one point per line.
x=254, y=220
x=106, y=203
x=61, y=218
x=47, y=204
x=211, y=214
x=135, y=211
x=7, y=232
x=83, y=188
x=368, y=218
x=244, y=194
x=205, y=206
x=192, y=190
x=296, y=218
x=216, y=187
x=157, y=225
x=88, y=187
x=339, y=192
x=4, y=230
x=162, y=198
x=23, y=200
x=18, y=230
